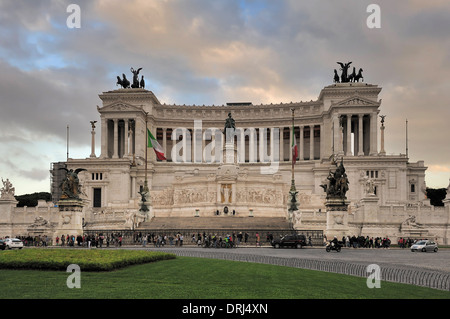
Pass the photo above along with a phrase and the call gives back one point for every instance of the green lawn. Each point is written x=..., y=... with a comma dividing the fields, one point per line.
x=198, y=278
x=86, y=259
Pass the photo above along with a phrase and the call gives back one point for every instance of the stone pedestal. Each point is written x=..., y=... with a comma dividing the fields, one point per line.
x=337, y=217
x=230, y=153
x=71, y=217
x=382, y=151
x=369, y=211
x=6, y=220
x=446, y=202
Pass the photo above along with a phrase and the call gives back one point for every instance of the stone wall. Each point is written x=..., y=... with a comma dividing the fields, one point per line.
x=367, y=218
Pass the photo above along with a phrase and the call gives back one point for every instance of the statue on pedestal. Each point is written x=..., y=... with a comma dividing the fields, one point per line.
x=7, y=191
x=144, y=209
x=135, y=84
x=230, y=125
x=71, y=184
x=337, y=184
x=344, y=69
x=345, y=77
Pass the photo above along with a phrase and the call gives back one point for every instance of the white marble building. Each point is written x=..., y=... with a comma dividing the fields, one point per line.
x=197, y=180
x=342, y=121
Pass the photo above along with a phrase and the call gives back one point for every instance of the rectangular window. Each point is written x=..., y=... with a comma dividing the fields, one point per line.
x=97, y=202
x=97, y=176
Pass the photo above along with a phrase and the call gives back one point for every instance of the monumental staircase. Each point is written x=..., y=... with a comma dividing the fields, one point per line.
x=231, y=223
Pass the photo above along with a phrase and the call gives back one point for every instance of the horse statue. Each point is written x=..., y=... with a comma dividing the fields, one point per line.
x=336, y=76
x=124, y=83
x=359, y=76
x=351, y=77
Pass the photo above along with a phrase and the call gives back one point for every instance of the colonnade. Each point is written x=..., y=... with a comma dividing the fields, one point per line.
x=264, y=144
x=350, y=135
x=357, y=134
x=118, y=137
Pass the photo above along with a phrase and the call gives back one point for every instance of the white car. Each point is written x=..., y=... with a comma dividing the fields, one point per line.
x=13, y=243
x=424, y=245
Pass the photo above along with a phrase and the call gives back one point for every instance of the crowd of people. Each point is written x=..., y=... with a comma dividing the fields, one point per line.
x=373, y=242
x=90, y=240
x=200, y=239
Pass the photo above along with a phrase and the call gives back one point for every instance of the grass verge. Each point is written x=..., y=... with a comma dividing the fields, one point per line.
x=87, y=260
x=199, y=278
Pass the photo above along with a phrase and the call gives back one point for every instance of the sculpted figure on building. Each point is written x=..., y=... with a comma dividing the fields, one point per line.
x=71, y=184
x=337, y=183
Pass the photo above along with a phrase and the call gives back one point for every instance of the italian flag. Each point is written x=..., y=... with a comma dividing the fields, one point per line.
x=153, y=143
x=294, y=147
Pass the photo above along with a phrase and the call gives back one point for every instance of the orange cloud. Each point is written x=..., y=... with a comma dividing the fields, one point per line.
x=439, y=168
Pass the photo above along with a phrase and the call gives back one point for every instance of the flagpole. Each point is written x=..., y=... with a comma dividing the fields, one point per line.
x=407, y=155
x=293, y=159
x=146, y=150
x=67, y=143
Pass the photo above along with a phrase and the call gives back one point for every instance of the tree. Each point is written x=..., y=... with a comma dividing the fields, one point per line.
x=31, y=200
x=436, y=195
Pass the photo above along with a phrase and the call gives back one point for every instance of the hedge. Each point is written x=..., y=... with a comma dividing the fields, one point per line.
x=87, y=260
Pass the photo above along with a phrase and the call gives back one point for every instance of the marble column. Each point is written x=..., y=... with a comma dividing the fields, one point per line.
x=373, y=134
x=322, y=145
x=164, y=141
x=104, y=138
x=360, y=135
x=349, y=135
x=311, y=142
x=185, y=145
x=252, y=146
x=125, y=136
x=241, y=155
x=93, y=140
x=262, y=145
x=281, y=144
x=116, y=139
x=382, y=150
x=301, y=145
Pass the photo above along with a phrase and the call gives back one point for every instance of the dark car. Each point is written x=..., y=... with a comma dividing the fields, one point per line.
x=2, y=244
x=296, y=241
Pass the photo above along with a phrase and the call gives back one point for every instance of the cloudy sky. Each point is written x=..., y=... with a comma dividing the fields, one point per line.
x=213, y=52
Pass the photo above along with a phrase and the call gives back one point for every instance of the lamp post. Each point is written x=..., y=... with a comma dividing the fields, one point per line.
x=144, y=193
x=293, y=206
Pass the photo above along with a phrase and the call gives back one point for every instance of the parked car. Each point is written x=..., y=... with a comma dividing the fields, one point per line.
x=2, y=244
x=13, y=243
x=424, y=245
x=297, y=241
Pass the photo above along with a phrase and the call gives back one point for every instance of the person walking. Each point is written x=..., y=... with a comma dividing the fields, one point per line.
x=258, y=240
x=144, y=240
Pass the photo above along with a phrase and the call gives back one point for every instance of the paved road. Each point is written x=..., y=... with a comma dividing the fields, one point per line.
x=402, y=258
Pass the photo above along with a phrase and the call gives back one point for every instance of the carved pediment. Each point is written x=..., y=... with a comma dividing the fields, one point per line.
x=356, y=101
x=227, y=173
x=119, y=106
